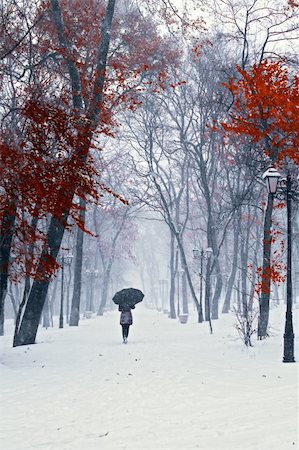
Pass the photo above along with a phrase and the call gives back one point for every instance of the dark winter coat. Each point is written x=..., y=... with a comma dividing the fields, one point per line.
x=126, y=318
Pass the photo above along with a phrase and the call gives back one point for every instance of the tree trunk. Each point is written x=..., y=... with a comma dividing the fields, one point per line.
x=212, y=242
x=232, y=277
x=172, y=279
x=218, y=289
x=244, y=261
x=7, y=230
x=266, y=280
x=26, y=333
x=239, y=309
x=208, y=294
x=14, y=302
x=68, y=288
x=254, y=267
x=46, y=314
x=185, y=294
x=104, y=295
x=75, y=308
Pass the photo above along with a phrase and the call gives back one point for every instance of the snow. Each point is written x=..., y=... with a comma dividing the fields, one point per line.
x=173, y=386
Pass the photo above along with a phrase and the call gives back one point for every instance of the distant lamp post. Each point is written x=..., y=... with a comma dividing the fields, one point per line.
x=65, y=261
x=91, y=276
x=199, y=255
x=209, y=253
x=285, y=189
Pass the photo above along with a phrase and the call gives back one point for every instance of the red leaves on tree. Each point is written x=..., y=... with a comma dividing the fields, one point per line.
x=39, y=172
x=51, y=156
x=293, y=4
x=276, y=273
x=139, y=56
x=266, y=100
x=265, y=111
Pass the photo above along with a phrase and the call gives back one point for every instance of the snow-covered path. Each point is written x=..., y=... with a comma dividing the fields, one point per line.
x=172, y=387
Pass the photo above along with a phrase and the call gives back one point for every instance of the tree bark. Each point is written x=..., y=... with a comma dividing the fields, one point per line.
x=266, y=281
x=75, y=308
x=7, y=230
x=104, y=295
x=172, y=278
x=185, y=294
x=208, y=294
x=254, y=267
x=218, y=289
x=26, y=333
x=244, y=262
x=232, y=277
x=46, y=314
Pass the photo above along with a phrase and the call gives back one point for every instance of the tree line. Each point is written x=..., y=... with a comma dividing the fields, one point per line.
x=110, y=111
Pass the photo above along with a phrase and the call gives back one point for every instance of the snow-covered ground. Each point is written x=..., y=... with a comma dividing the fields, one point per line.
x=173, y=386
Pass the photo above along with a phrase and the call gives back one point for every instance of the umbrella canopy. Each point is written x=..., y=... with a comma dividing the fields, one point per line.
x=128, y=297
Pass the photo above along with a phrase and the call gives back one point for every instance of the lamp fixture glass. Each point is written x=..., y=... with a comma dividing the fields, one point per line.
x=209, y=252
x=195, y=253
x=271, y=176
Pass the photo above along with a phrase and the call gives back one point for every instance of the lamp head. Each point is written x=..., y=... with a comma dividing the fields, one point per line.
x=271, y=176
x=209, y=252
x=195, y=252
x=61, y=155
x=68, y=258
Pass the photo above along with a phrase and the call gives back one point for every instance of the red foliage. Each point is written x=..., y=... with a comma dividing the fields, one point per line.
x=50, y=159
x=266, y=101
x=40, y=172
x=293, y=4
x=139, y=56
x=276, y=273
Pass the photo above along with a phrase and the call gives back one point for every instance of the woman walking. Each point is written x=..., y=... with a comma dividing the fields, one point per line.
x=126, y=319
x=126, y=300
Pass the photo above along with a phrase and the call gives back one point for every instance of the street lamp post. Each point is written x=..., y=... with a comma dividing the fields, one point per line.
x=91, y=276
x=288, y=190
x=199, y=255
x=65, y=260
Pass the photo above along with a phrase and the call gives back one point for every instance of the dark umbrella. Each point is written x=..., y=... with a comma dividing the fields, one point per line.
x=128, y=297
